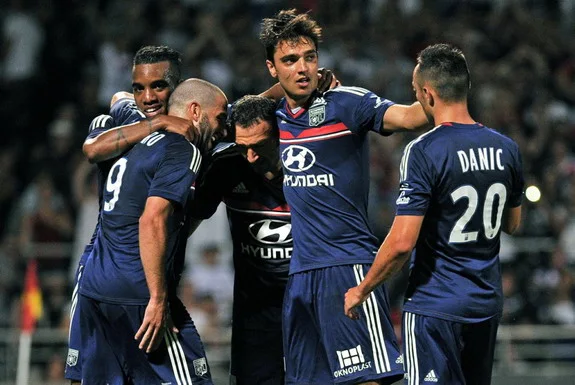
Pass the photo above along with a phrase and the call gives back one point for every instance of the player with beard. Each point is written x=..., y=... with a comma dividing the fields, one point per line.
x=130, y=330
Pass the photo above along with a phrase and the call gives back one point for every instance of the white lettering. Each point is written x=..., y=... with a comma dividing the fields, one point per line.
x=499, y=164
x=267, y=252
x=489, y=159
x=309, y=180
x=463, y=160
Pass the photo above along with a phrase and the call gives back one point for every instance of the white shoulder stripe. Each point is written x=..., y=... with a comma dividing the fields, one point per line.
x=196, y=159
x=406, y=153
x=351, y=90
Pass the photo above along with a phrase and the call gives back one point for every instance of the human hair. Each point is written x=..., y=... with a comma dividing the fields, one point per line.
x=193, y=89
x=445, y=67
x=152, y=54
x=252, y=109
x=288, y=26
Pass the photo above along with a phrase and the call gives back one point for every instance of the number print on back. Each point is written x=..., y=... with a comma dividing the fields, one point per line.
x=468, y=192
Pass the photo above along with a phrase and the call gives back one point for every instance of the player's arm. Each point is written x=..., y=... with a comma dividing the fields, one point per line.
x=399, y=117
x=116, y=141
x=390, y=258
x=153, y=235
x=511, y=219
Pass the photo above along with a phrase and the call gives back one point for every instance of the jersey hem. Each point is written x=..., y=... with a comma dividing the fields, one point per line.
x=449, y=317
x=333, y=264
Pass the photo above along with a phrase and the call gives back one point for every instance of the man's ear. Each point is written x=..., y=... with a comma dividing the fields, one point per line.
x=272, y=68
x=194, y=111
x=429, y=96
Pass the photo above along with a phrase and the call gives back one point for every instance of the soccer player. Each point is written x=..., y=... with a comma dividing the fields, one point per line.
x=247, y=177
x=461, y=185
x=126, y=313
x=155, y=74
x=324, y=153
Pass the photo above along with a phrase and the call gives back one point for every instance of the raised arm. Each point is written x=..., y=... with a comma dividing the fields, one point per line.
x=114, y=142
x=400, y=117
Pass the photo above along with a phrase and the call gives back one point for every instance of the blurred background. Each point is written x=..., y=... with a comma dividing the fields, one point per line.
x=62, y=60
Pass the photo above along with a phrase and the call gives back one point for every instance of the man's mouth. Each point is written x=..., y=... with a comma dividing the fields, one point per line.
x=304, y=82
x=153, y=111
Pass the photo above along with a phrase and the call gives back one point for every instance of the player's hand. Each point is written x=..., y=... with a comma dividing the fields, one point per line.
x=156, y=320
x=326, y=80
x=353, y=298
x=177, y=125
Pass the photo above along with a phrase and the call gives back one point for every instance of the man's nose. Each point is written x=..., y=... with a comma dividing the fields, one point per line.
x=302, y=65
x=149, y=95
x=251, y=155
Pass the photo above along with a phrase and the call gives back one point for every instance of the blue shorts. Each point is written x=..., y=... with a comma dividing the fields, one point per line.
x=447, y=352
x=73, y=369
x=111, y=354
x=322, y=345
x=257, y=357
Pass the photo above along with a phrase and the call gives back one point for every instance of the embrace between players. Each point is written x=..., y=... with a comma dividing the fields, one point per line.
x=166, y=160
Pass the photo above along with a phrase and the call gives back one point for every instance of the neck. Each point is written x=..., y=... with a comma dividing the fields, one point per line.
x=452, y=112
x=294, y=103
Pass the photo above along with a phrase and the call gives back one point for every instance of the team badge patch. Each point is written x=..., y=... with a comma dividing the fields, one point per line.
x=72, y=359
x=200, y=366
x=316, y=115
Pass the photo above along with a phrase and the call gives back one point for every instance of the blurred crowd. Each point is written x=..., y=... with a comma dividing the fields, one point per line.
x=61, y=61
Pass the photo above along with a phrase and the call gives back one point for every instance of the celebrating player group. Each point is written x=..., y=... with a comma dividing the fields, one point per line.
x=310, y=305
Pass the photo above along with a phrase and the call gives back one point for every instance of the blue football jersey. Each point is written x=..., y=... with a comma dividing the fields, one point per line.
x=462, y=177
x=124, y=111
x=325, y=156
x=163, y=165
x=260, y=226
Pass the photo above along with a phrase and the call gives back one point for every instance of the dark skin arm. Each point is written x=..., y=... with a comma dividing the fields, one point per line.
x=118, y=140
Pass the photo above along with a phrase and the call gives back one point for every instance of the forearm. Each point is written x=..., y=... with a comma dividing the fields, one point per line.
x=403, y=117
x=153, y=243
x=388, y=261
x=118, y=140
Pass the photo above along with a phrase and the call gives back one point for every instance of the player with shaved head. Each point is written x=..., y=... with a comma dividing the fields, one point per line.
x=133, y=327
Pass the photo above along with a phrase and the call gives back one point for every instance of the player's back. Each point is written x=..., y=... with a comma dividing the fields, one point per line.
x=162, y=164
x=472, y=174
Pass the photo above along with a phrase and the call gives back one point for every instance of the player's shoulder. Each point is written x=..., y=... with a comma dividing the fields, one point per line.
x=224, y=149
x=352, y=92
x=501, y=136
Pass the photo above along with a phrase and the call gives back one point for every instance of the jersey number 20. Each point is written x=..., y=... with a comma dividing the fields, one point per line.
x=457, y=235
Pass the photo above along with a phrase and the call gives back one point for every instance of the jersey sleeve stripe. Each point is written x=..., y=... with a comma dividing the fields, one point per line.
x=196, y=159
x=406, y=153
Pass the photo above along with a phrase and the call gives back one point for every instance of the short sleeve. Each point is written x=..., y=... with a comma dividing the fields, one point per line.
x=417, y=175
x=176, y=172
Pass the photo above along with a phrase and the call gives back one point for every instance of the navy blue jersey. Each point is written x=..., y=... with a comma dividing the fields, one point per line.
x=260, y=225
x=124, y=111
x=461, y=177
x=163, y=165
x=324, y=152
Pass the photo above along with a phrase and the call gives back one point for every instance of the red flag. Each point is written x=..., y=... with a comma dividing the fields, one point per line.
x=31, y=299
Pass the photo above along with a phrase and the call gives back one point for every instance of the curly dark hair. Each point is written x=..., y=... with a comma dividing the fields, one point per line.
x=152, y=54
x=288, y=25
x=445, y=67
x=252, y=109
